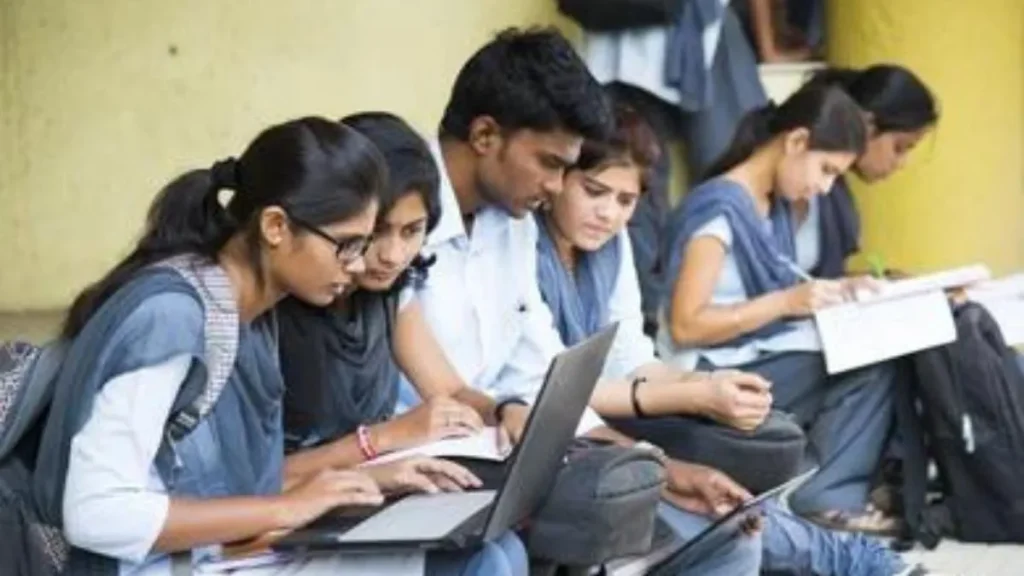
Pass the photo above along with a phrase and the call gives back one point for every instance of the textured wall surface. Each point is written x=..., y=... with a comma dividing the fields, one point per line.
x=961, y=197
x=104, y=101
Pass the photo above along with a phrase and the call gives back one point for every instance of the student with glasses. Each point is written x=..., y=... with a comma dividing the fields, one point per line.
x=127, y=496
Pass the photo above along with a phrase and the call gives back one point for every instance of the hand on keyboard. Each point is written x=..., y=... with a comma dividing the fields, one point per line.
x=325, y=490
x=429, y=475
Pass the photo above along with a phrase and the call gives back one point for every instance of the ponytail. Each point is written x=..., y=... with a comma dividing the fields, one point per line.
x=185, y=217
x=833, y=120
x=752, y=132
x=319, y=171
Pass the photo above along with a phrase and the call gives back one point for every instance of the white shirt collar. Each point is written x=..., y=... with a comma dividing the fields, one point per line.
x=450, y=226
x=490, y=223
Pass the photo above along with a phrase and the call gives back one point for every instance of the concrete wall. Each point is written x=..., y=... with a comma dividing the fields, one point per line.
x=961, y=198
x=103, y=101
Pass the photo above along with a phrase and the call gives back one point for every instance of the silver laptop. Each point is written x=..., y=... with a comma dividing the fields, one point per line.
x=460, y=520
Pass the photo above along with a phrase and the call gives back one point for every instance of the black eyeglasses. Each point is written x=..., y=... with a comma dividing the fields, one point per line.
x=347, y=249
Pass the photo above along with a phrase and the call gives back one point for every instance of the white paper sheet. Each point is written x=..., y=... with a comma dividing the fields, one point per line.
x=482, y=445
x=859, y=334
x=945, y=280
x=1004, y=299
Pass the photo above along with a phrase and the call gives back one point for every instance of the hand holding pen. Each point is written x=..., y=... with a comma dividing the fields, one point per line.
x=812, y=294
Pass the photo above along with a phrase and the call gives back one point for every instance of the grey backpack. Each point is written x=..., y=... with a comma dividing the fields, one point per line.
x=28, y=374
x=602, y=506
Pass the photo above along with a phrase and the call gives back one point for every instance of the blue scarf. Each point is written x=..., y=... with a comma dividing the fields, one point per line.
x=839, y=230
x=578, y=304
x=237, y=449
x=760, y=253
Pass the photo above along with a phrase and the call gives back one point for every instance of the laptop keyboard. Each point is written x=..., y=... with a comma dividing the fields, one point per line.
x=420, y=517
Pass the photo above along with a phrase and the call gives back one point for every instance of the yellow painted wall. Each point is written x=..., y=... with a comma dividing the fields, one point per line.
x=103, y=101
x=961, y=198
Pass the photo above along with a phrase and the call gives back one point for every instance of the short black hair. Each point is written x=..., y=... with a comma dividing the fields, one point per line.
x=528, y=79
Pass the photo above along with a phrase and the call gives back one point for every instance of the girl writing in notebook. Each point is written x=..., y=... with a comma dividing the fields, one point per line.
x=586, y=278
x=739, y=297
x=900, y=111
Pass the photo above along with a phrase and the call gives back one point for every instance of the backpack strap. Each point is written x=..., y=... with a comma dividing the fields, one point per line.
x=220, y=330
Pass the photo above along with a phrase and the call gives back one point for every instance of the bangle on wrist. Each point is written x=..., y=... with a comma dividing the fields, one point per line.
x=633, y=388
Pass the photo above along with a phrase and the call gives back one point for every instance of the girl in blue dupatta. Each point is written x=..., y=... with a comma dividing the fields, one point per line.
x=737, y=300
x=586, y=278
x=297, y=221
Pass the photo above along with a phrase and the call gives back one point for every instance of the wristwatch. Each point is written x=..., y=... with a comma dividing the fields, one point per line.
x=502, y=403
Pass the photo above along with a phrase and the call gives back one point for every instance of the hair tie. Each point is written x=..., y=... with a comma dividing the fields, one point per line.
x=224, y=174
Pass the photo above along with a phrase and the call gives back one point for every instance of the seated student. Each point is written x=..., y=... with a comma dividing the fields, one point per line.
x=737, y=299
x=585, y=278
x=900, y=111
x=341, y=363
x=128, y=497
x=518, y=113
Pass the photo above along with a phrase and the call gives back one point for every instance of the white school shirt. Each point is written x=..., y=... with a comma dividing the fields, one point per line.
x=115, y=503
x=730, y=290
x=482, y=302
x=632, y=348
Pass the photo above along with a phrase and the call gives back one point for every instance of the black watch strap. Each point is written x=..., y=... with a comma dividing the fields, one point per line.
x=503, y=403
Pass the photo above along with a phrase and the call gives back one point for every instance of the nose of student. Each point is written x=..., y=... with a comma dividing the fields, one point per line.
x=826, y=185
x=603, y=212
x=389, y=254
x=551, y=187
x=898, y=162
x=355, y=266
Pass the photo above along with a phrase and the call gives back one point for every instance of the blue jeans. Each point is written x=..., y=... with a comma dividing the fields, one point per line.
x=849, y=417
x=787, y=545
x=505, y=556
x=741, y=557
x=795, y=547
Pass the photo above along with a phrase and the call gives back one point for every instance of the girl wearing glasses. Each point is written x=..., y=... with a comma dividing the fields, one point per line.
x=290, y=217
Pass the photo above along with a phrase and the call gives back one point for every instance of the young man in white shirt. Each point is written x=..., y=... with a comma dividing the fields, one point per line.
x=517, y=116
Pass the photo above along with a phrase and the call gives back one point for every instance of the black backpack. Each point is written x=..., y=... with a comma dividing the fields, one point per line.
x=617, y=15
x=965, y=410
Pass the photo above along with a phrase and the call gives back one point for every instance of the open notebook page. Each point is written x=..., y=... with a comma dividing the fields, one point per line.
x=945, y=280
x=858, y=334
x=483, y=446
x=1004, y=300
